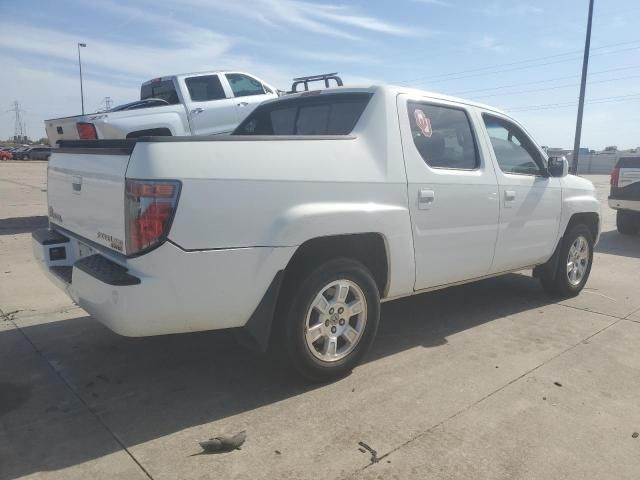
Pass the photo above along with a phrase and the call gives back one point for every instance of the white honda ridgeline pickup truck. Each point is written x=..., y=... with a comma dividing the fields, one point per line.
x=319, y=206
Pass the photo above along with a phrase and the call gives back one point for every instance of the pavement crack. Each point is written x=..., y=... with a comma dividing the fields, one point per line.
x=8, y=316
x=82, y=401
x=490, y=394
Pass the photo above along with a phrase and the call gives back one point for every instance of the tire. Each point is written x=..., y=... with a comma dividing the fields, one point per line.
x=301, y=306
x=627, y=223
x=574, y=264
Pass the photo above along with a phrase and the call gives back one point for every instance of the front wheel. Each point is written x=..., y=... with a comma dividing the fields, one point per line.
x=574, y=264
x=330, y=316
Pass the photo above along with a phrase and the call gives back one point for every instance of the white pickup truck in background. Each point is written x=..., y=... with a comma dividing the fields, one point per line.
x=206, y=103
x=318, y=207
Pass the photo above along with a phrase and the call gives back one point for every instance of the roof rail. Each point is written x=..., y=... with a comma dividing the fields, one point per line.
x=315, y=78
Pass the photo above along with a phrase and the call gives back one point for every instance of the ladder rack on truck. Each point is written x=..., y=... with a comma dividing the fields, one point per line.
x=326, y=77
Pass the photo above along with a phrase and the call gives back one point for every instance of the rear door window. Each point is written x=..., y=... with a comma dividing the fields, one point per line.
x=164, y=90
x=443, y=136
x=205, y=88
x=244, y=85
x=324, y=114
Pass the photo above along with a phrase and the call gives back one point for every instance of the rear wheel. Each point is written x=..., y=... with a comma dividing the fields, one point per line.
x=574, y=264
x=627, y=223
x=328, y=318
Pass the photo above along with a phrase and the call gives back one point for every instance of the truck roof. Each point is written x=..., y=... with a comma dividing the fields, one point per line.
x=397, y=90
x=190, y=74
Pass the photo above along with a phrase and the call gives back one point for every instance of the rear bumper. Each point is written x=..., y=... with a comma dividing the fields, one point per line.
x=623, y=204
x=166, y=291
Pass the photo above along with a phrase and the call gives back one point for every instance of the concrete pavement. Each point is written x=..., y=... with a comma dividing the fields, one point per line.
x=459, y=384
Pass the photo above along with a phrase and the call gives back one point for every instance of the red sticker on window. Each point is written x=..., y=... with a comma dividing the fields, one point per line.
x=423, y=123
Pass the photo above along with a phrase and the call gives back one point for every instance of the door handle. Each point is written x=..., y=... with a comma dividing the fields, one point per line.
x=426, y=199
x=509, y=196
x=243, y=104
x=196, y=111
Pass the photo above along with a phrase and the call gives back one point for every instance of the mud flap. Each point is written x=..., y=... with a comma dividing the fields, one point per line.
x=256, y=332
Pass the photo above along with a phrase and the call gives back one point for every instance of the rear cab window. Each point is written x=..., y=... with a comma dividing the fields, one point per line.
x=205, y=88
x=163, y=89
x=322, y=114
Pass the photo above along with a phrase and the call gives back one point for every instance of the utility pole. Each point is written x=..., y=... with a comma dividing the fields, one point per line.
x=81, y=45
x=583, y=85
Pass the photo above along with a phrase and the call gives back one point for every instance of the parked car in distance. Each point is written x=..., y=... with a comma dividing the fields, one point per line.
x=206, y=103
x=33, y=153
x=5, y=154
x=624, y=196
x=18, y=151
x=318, y=207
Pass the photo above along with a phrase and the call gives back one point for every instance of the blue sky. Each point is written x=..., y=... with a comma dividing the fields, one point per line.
x=522, y=56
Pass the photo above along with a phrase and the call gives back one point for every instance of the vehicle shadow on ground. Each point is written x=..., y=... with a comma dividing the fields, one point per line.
x=146, y=388
x=614, y=243
x=13, y=226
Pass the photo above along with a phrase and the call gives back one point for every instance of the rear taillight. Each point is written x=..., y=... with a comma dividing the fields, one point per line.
x=87, y=131
x=150, y=206
x=615, y=176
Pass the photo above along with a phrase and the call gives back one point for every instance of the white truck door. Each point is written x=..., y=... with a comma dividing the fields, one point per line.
x=452, y=189
x=209, y=109
x=530, y=200
x=248, y=93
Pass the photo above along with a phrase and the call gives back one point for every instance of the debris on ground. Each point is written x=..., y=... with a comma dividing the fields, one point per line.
x=278, y=452
x=634, y=435
x=374, y=454
x=557, y=384
x=223, y=443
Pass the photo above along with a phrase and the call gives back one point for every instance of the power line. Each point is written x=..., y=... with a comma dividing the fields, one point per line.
x=632, y=96
x=548, y=80
x=520, y=62
x=523, y=67
x=556, y=87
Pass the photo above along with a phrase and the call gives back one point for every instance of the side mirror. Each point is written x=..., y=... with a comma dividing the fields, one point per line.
x=558, y=166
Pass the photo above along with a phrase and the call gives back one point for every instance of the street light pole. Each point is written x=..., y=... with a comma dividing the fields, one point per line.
x=583, y=85
x=80, y=65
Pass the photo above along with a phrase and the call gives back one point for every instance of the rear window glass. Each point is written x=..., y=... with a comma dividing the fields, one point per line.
x=205, y=88
x=161, y=89
x=324, y=114
x=628, y=162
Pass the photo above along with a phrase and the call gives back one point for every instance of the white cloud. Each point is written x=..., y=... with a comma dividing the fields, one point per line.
x=191, y=49
x=320, y=18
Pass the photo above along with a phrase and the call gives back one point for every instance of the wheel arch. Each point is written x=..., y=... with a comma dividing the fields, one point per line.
x=369, y=248
x=590, y=219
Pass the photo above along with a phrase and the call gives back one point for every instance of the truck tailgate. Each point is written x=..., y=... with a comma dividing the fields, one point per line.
x=62, y=129
x=86, y=193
